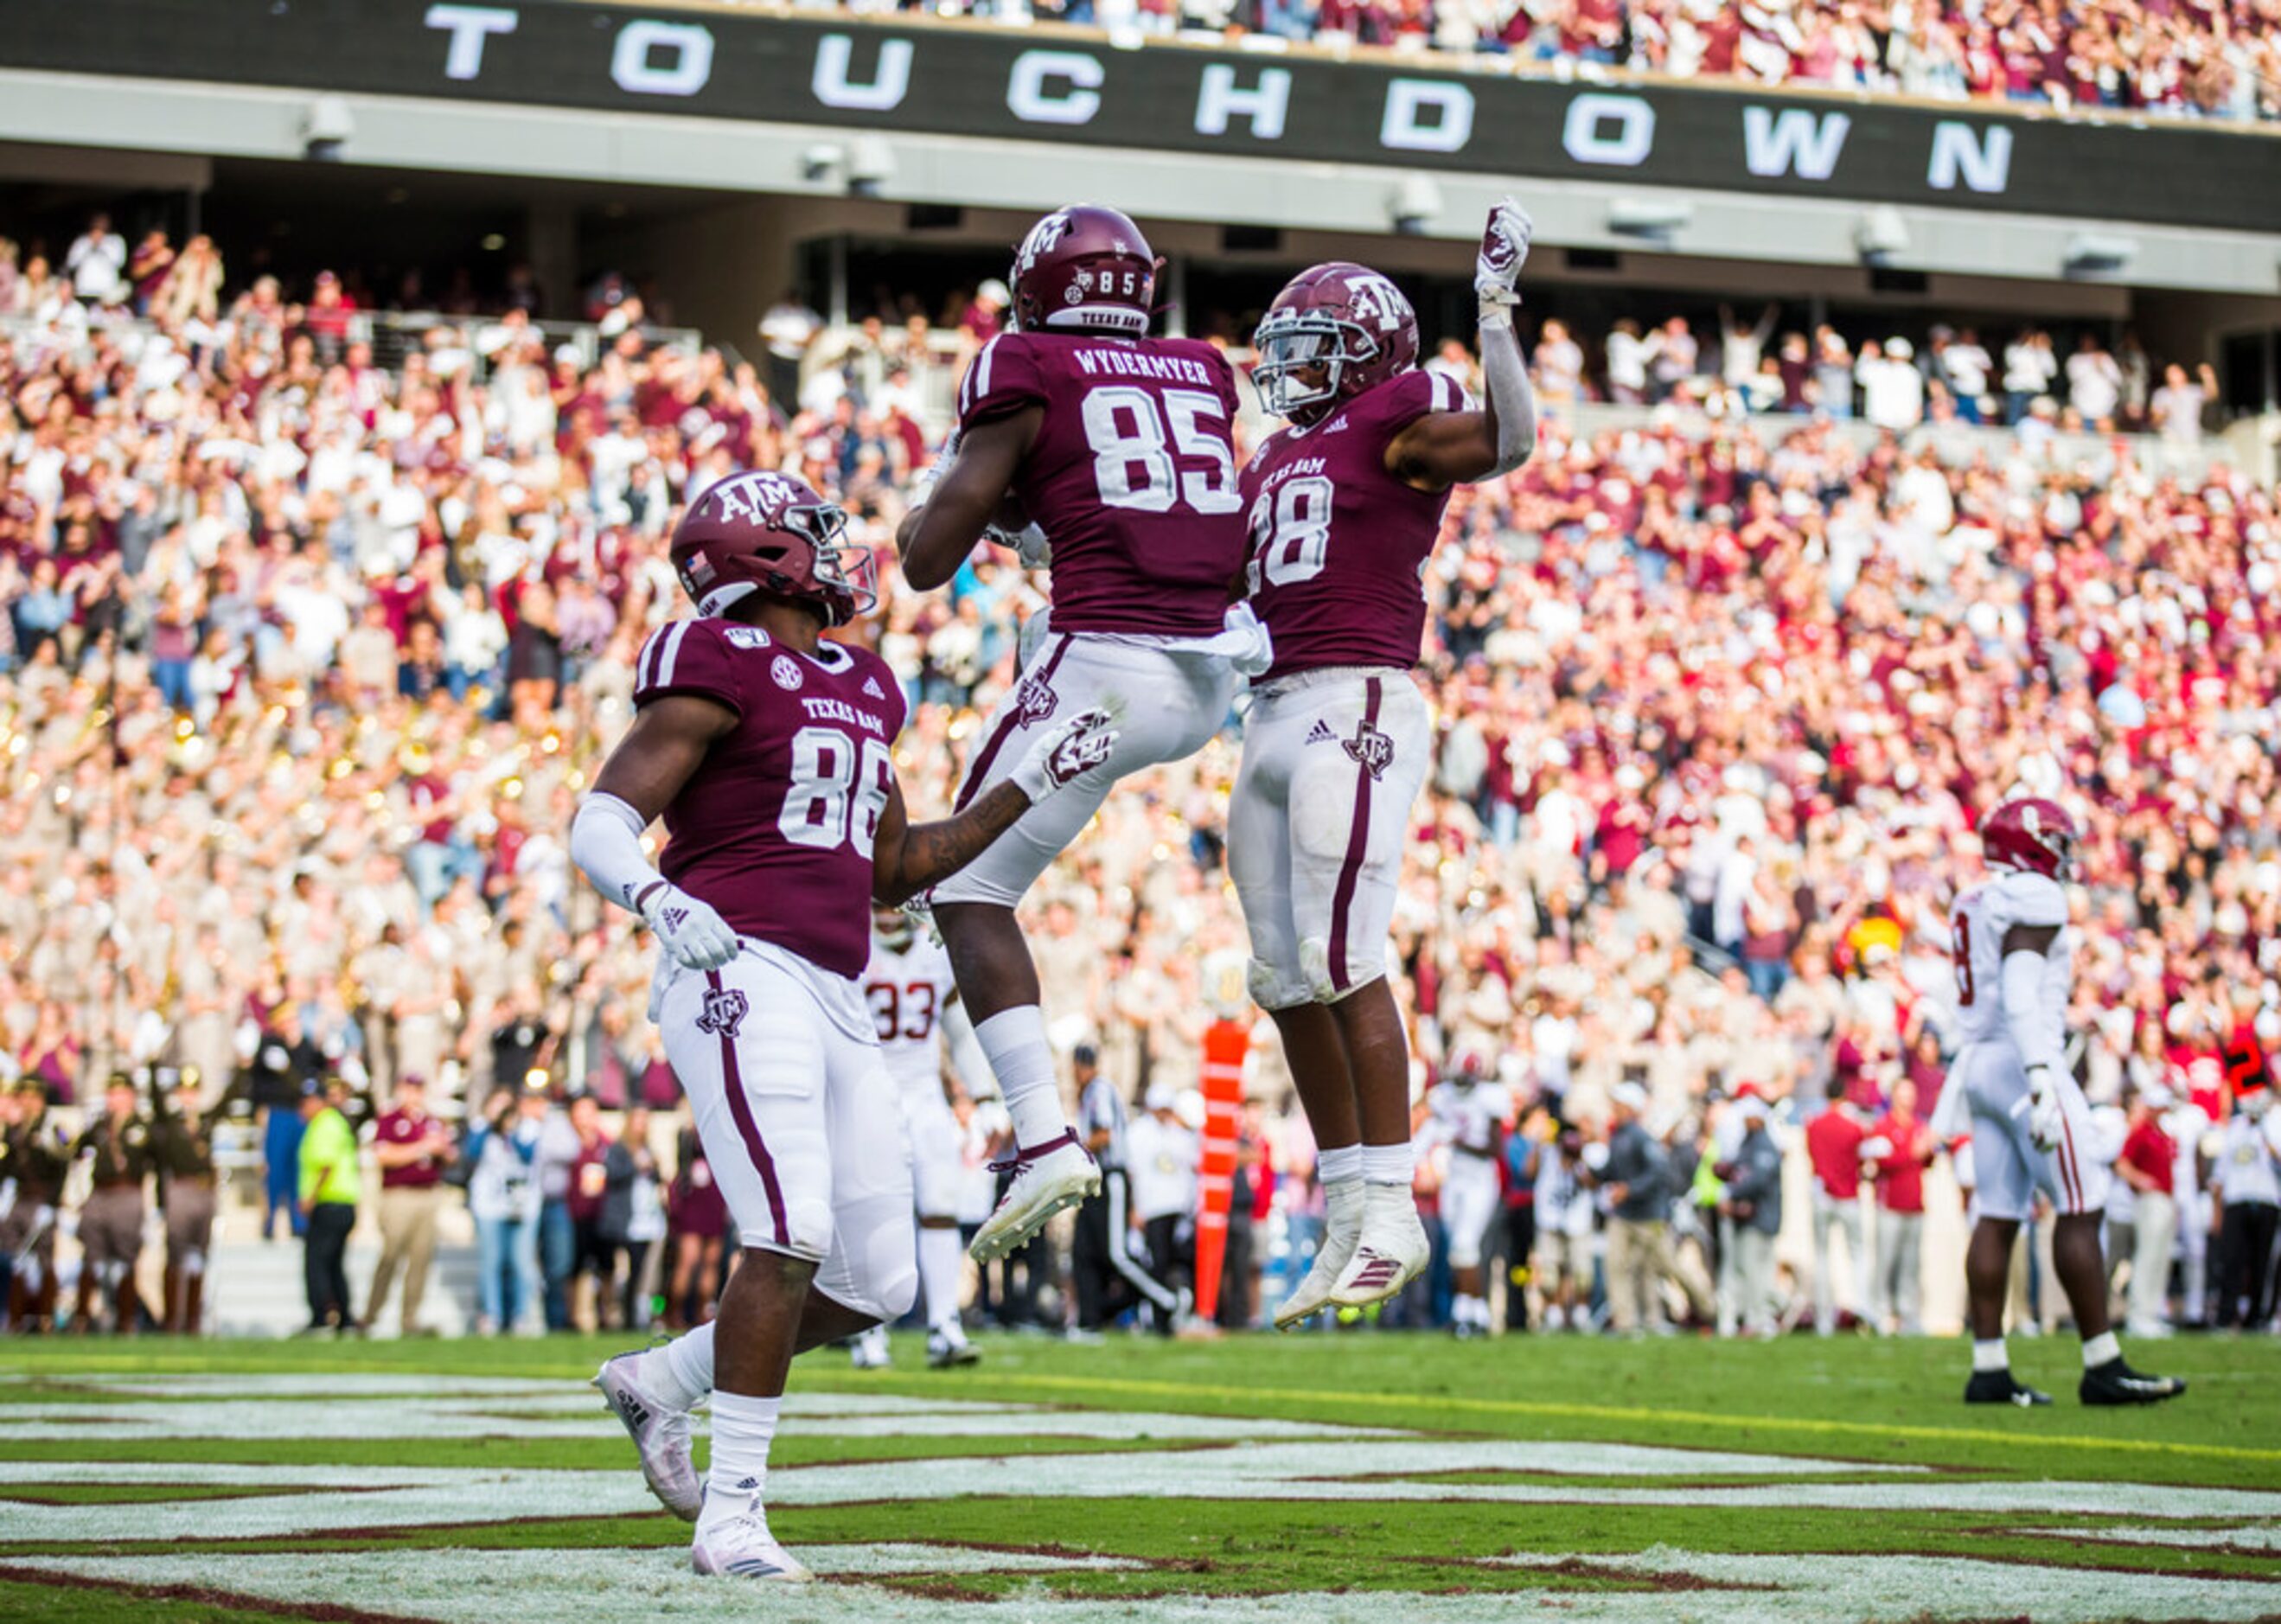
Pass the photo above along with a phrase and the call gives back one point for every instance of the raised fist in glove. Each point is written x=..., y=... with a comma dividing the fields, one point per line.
x=1504, y=249
x=1067, y=754
x=691, y=935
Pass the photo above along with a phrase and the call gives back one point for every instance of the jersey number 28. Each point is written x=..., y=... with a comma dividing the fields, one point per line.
x=1290, y=530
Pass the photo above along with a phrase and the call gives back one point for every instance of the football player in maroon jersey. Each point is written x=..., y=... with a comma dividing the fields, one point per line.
x=1344, y=506
x=1115, y=448
x=765, y=747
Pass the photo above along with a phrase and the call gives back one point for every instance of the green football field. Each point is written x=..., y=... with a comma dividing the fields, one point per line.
x=1321, y=1477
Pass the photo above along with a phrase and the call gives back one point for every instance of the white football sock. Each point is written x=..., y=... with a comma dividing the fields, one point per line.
x=1015, y=1042
x=680, y=1374
x=1388, y=1163
x=2099, y=1349
x=1989, y=1356
x=942, y=1269
x=743, y=1427
x=1339, y=1164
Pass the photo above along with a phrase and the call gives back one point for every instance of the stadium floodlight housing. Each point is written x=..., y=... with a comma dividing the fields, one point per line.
x=871, y=166
x=1880, y=234
x=1413, y=207
x=325, y=127
x=2090, y=253
x=1649, y=217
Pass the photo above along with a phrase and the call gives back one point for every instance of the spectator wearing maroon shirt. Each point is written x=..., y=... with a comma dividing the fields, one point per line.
x=1833, y=1144
x=2148, y=1163
x=412, y=1148
x=591, y=1255
x=1903, y=1147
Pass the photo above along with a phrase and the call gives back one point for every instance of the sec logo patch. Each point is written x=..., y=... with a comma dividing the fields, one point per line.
x=785, y=669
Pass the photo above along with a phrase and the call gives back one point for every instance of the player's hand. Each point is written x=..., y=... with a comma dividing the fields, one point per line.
x=1066, y=754
x=922, y=485
x=692, y=935
x=1029, y=544
x=1504, y=249
x=2044, y=1119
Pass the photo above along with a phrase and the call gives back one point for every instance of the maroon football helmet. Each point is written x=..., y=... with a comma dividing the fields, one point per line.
x=1085, y=268
x=767, y=533
x=2031, y=836
x=1347, y=320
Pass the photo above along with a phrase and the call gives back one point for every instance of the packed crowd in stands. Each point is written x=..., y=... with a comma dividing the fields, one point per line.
x=306, y=661
x=2219, y=60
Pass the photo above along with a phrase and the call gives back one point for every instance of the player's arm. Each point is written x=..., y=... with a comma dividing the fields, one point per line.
x=936, y=537
x=1445, y=448
x=668, y=740
x=2027, y=948
x=906, y=858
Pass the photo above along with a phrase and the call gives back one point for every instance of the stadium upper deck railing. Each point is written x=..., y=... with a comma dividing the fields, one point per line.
x=2245, y=445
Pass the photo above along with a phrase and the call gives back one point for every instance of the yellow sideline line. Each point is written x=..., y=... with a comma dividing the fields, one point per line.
x=1143, y=1386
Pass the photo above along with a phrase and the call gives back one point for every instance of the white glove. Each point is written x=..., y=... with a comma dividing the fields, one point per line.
x=1067, y=754
x=1504, y=249
x=922, y=485
x=2044, y=1119
x=1029, y=544
x=692, y=935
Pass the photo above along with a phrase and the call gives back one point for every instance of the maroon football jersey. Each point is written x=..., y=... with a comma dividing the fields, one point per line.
x=1133, y=474
x=1338, y=545
x=774, y=828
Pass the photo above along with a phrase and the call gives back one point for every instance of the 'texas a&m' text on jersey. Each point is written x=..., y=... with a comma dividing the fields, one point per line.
x=774, y=828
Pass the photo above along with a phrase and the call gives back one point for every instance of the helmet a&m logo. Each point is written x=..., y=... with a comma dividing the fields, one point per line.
x=724, y=1012
x=786, y=672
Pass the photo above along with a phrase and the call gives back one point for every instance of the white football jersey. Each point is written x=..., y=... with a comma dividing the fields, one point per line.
x=1468, y=1117
x=908, y=992
x=1977, y=927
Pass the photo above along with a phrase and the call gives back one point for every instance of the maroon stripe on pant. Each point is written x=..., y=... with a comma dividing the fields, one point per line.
x=2071, y=1174
x=1008, y=719
x=1358, y=845
x=740, y=1112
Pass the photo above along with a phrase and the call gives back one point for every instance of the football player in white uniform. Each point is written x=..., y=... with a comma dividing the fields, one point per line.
x=2015, y=953
x=1470, y=1112
x=911, y=992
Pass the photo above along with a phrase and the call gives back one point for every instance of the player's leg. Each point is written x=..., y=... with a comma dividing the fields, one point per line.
x=1166, y=706
x=2004, y=1165
x=748, y=1044
x=2078, y=1184
x=1314, y=1048
x=935, y=1171
x=1350, y=797
x=1468, y=1197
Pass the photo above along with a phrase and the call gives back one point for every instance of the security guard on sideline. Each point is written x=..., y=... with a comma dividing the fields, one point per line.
x=111, y=1222
x=34, y=1158
x=183, y=1140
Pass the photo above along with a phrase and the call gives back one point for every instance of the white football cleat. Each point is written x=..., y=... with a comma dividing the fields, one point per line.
x=1390, y=1252
x=1313, y=1295
x=870, y=1350
x=1047, y=1178
x=737, y=1543
x=660, y=1432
